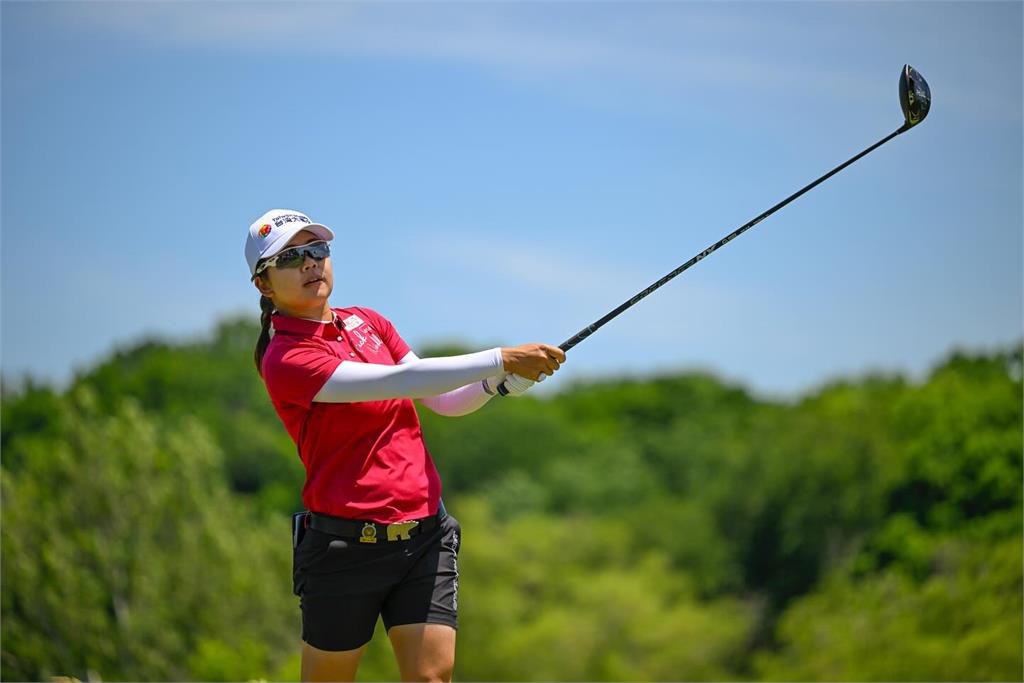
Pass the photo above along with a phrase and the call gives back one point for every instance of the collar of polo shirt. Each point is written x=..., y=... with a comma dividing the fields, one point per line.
x=334, y=319
x=292, y=325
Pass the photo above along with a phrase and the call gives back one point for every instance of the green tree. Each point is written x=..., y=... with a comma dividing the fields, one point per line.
x=649, y=529
x=581, y=598
x=214, y=381
x=961, y=623
x=961, y=435
x=124, y=553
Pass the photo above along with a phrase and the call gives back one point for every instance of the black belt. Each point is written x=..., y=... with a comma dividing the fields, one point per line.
x=371, y=532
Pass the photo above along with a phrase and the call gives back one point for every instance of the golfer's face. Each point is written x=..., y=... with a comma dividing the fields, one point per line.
x=307, y=284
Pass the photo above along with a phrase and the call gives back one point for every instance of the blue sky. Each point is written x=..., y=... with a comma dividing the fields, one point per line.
x=501, y=173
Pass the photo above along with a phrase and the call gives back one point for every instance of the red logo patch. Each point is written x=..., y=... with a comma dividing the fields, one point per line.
x=264, y=230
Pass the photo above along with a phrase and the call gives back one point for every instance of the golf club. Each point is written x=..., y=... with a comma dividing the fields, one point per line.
x=915, y=100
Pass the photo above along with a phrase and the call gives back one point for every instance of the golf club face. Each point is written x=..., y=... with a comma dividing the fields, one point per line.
x=915, y=96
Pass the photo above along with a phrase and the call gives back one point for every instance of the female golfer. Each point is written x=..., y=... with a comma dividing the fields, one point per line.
x=377, y=539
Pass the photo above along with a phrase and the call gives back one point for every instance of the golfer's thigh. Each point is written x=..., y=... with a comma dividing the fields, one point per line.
x=326, y=665
x=425, y=652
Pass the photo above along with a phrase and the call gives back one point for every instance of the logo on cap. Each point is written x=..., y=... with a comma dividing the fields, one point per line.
x=289, y=218
x=264, y=230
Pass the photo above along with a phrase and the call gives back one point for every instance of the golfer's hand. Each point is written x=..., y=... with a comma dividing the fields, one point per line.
x=532, y=361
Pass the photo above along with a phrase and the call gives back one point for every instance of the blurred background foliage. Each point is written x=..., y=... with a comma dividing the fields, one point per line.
x=671, y=528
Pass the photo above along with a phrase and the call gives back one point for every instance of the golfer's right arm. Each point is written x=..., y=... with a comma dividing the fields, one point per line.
x=352, y=382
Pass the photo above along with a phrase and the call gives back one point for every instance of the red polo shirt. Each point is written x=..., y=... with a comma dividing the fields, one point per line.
x=363, y=460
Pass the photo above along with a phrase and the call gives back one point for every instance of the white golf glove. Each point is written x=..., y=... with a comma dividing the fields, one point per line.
x=515, y=384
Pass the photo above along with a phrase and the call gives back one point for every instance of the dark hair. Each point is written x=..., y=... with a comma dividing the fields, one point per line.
x=267, y=308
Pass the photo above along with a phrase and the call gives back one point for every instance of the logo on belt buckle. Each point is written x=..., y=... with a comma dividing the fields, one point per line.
x=401, y=531
x=369, y=534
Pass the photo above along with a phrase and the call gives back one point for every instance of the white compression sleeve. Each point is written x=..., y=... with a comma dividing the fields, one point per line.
x=457, y=402
x=352, y=382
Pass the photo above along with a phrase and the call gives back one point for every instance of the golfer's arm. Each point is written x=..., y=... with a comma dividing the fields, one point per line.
x=413, y=378
x=457, y=402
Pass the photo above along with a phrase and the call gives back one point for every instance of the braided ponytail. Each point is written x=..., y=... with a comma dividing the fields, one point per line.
x=267, y=308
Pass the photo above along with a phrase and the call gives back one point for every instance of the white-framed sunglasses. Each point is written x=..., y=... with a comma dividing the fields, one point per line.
x=293, y=257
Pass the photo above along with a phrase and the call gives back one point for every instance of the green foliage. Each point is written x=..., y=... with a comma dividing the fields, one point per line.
x=673, y=528
x=214, y=381
x=961, y=437
x=125, y=553
x=584, y=598
x=34, y=412
x=961, y=623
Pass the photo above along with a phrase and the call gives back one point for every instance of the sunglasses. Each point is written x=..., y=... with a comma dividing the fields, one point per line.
x=293, y=257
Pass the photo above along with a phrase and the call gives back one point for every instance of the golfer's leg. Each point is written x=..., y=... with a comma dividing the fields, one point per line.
x=425, y=652
x=324, y=665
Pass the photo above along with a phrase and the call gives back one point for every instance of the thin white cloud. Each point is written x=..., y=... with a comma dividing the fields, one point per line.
x=577, y=280
x=494, y=36
x=563, y=272
x=670, y=47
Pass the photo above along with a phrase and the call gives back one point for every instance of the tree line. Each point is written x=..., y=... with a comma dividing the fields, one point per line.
x=675, y=527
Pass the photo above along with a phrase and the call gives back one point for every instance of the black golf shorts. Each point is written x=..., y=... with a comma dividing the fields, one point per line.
x=343, y=585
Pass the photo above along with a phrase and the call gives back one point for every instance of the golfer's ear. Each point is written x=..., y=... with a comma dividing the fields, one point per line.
x=263, y=284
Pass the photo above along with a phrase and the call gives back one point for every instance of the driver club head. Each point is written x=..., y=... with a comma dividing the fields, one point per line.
x=915, y=96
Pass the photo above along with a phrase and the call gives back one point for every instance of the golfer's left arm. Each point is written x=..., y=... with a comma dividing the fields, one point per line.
x=468, y=398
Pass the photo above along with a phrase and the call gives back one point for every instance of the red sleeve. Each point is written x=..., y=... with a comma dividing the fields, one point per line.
x=295, y=372
x=388, y=334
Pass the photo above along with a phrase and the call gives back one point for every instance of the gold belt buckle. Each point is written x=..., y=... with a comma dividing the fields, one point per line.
x=401, y=530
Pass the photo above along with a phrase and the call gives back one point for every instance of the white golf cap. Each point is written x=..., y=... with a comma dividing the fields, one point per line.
x=272, y=231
